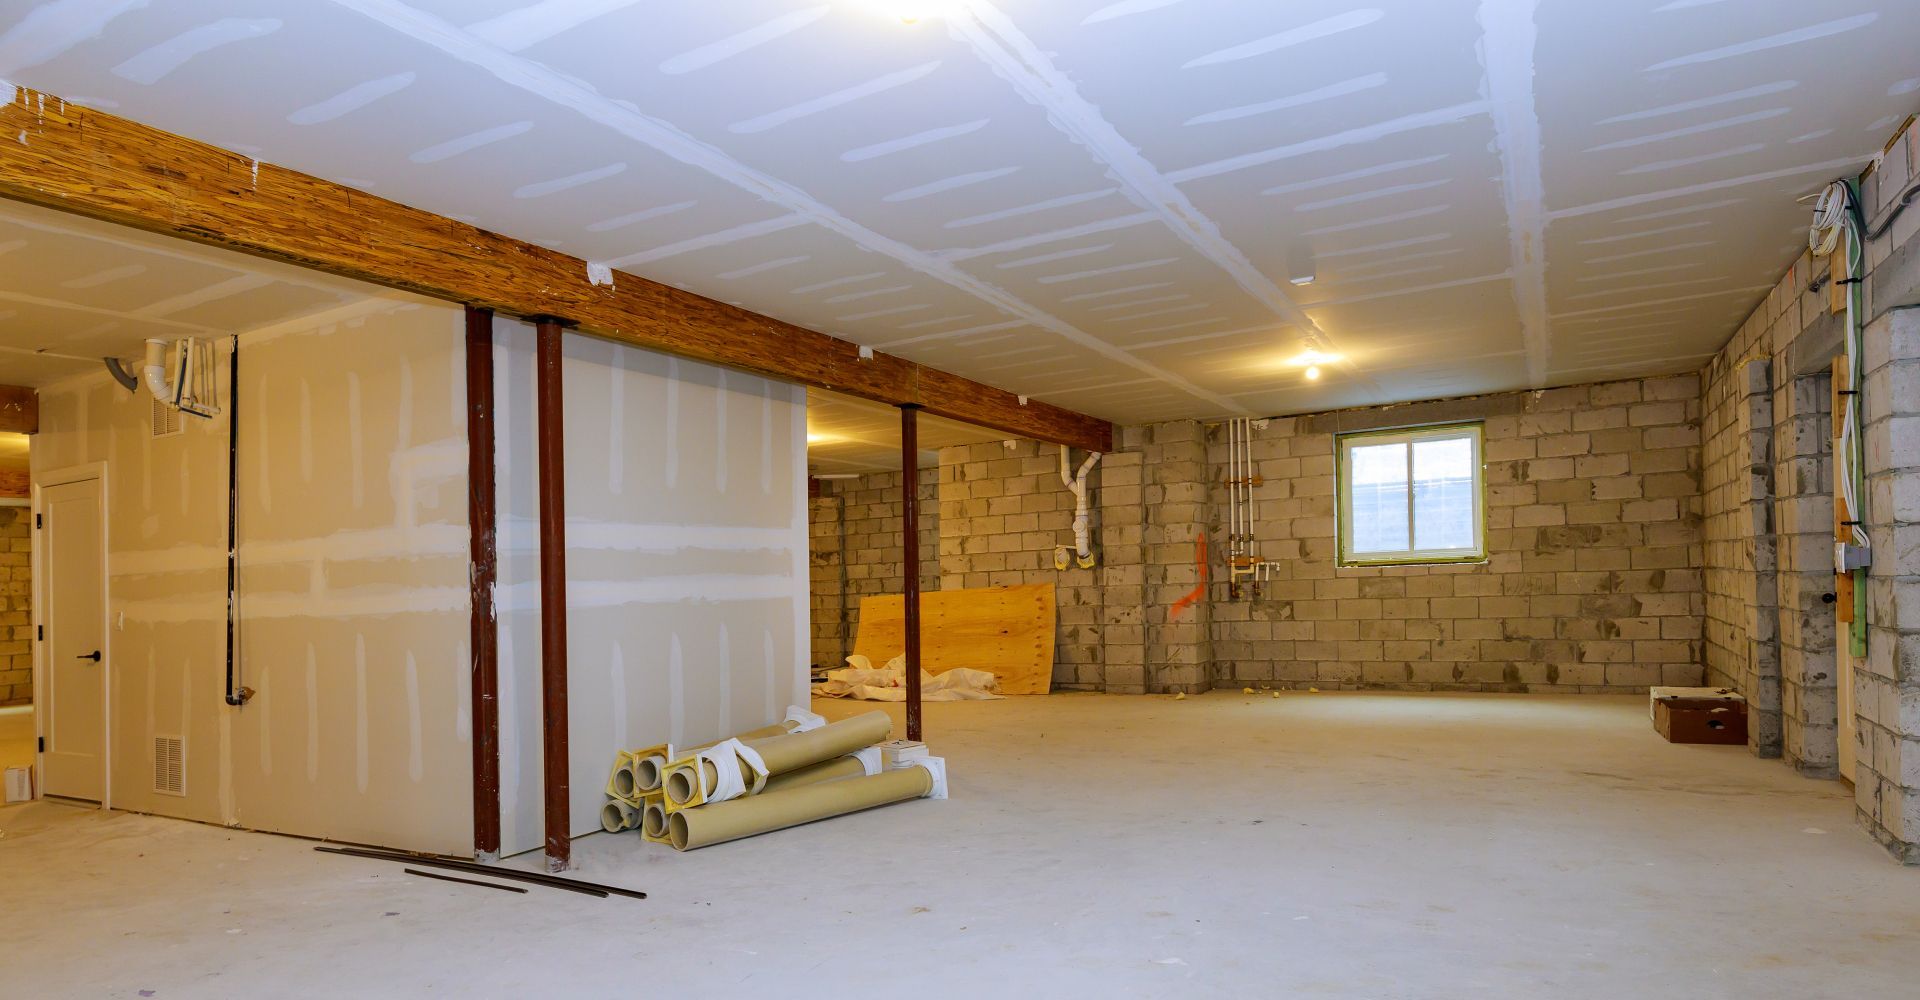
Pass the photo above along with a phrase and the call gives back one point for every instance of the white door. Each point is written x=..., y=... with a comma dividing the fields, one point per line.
x=74, y=564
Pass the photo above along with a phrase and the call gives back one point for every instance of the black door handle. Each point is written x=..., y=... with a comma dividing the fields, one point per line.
x=94, y=656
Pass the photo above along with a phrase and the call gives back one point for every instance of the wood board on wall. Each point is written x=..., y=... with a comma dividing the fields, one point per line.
x=1008, y=630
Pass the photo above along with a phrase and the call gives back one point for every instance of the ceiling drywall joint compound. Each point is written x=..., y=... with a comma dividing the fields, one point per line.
x=1507, y=54
x=1126, y=150
x=564, y=91
x=1001, y=45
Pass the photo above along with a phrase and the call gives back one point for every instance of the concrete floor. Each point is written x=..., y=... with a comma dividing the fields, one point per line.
x=1331, y=845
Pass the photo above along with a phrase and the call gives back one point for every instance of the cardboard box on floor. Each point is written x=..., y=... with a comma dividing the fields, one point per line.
x=1713, y=716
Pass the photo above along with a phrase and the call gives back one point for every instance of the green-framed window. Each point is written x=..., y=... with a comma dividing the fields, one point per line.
x=1412, y=495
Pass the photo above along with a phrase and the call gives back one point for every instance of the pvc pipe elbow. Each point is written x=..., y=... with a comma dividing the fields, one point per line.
x=155, y=370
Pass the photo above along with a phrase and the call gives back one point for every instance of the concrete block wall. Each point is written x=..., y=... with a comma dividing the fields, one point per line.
x=1176, y=509
x=1593, y=576
x=1769, y=509
x=1741, y=623
x=1887, y=684
x=16, y=606
x=1003, y=514
x=855, y=552
x=1802, y=539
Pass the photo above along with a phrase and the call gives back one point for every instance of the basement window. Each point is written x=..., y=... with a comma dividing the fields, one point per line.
x=1413, y=495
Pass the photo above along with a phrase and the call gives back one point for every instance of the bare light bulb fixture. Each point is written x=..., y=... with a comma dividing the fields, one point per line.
x=1313, y=373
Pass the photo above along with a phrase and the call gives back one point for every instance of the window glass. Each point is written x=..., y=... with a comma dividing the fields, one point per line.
x=1444, y=497
x=1379, y=497
x=1411, y=496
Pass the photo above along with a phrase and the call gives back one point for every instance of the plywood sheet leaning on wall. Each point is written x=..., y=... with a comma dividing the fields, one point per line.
x=1008, y=630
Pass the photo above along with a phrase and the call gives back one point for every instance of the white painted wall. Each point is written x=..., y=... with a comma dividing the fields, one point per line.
x=686, y=561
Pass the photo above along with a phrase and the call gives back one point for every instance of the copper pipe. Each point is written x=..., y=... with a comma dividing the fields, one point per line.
x=483, y=572
x=553, y=591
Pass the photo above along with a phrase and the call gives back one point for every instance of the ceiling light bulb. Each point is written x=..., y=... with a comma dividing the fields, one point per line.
x=914, y=11
x=1313, y=373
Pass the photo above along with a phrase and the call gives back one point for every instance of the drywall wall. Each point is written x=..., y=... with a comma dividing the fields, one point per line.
x=856, y=552
x=353, y=599
x=686, y=561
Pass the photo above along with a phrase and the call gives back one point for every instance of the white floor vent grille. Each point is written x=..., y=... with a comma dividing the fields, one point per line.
x=170, y=765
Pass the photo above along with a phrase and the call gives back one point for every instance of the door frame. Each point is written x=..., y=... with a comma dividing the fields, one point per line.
x=96, y=471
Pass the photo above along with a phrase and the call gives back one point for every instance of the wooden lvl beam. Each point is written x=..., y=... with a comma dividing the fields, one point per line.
x=99, y=165
x=19, y=410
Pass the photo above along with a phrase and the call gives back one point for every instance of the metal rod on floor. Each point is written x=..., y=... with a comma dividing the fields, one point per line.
x=464, y=881
x=483, y=571
x=910, y=569
x=553, y=592
x=475, y=868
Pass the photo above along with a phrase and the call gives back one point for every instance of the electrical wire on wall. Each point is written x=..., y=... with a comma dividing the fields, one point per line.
x=1839, y=227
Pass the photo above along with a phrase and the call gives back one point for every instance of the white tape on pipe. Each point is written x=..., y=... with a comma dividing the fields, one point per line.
x=755, y=765
x=803, y=720
x=869, y=758
x=936, y=766
x=727, y=782
x=730, y=780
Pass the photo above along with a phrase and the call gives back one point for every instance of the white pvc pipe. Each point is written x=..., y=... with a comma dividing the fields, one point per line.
x=156, y=371
x=1076, y=483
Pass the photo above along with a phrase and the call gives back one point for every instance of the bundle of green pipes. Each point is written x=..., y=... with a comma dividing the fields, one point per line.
x=761, y=781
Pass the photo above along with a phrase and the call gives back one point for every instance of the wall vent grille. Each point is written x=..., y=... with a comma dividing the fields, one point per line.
x=170, y=765
x=166, y=419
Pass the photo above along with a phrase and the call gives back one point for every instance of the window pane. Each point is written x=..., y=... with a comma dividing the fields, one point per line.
x=1379, y=497
x=1443, y=494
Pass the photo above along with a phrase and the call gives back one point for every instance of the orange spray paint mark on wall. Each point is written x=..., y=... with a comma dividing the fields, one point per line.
x=1200, y=589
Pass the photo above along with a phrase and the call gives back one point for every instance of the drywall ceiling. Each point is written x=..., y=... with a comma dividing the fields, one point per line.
x=1099, y=203
x=74, y=291
x=846, y=434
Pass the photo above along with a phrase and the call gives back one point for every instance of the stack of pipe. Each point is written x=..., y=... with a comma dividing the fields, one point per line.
x=787, y=776
x=633, y=789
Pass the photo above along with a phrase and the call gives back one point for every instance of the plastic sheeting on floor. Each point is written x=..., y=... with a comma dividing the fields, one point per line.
x=862, y=681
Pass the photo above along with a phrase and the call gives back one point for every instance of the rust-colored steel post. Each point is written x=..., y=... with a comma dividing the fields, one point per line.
x=482, y=572
x=553, y=592
x=910, y=541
